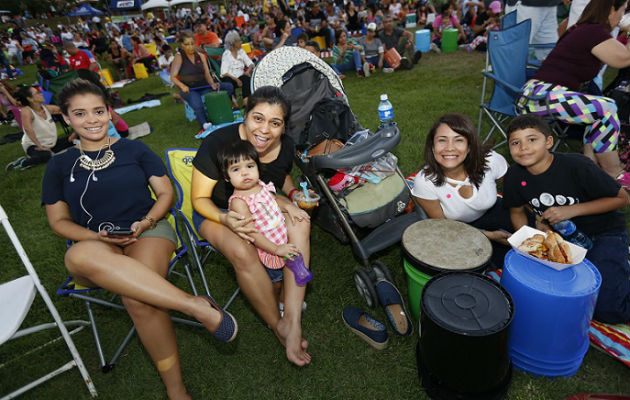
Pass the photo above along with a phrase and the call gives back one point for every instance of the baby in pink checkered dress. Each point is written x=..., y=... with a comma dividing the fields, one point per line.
x=272, y=242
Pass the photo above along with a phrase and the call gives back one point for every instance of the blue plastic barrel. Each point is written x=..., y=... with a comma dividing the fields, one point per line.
x=423, y=40
x=553, y=310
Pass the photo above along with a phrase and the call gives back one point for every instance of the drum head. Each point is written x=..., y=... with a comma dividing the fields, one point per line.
x=446, y=245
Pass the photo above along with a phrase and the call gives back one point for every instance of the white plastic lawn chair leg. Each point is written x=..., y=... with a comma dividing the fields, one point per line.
x=66, y=367
x=51, y=307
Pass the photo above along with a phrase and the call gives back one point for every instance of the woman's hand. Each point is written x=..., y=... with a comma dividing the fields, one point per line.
x=554, y=215
x=287, y=250
x=185, y=89
x=116, y=240
x=296, y=214
x=239, y=82
x=240, y=225
x=498, y=236
x=140, y=226
x=214, y=86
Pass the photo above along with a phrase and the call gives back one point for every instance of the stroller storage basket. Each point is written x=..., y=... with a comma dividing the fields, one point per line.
x=369, y=205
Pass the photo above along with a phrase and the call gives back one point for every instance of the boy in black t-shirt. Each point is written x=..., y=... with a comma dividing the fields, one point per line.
x=560, y=186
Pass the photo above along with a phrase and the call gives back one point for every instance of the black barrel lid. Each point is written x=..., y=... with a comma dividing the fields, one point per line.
x=467, y=303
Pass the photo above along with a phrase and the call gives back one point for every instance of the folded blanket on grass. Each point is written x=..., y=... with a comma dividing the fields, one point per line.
x=120, y=84
x=140, y=130
x=215, y=127
x=146, y=104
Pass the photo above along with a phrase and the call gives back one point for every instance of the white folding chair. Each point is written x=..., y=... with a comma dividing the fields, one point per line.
x=16, y=298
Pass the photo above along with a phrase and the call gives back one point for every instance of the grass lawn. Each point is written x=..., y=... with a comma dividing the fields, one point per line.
x=254, y=366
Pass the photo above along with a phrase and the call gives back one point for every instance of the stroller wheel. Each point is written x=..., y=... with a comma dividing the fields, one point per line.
x=382, y=271
x=365, y=287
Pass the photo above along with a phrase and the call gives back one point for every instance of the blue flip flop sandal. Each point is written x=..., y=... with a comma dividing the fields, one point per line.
x=394, y=307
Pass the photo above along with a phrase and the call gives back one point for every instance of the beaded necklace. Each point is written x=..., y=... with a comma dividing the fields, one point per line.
x=100, y=163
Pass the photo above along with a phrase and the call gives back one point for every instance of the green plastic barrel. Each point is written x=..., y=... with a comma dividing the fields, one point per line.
x=449, y=40
x=415, y=283
x=218, y=107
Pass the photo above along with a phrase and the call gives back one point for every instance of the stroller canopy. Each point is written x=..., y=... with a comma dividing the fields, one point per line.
x=303, y=77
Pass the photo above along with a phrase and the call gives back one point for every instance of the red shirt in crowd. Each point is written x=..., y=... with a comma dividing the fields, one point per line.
x=209, y=38
x=80, y=61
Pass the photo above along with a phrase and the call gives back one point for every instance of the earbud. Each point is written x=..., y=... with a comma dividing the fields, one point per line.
x=72, y=178
x=94, y=178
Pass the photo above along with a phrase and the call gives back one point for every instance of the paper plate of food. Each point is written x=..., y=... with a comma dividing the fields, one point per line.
x=548, y=248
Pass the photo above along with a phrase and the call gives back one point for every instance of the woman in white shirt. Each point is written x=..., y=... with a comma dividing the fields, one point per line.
x=14, y=51
x=236, y=67
x=458, y=181
x=40, y=141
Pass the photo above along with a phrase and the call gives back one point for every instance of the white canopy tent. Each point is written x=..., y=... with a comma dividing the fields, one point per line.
x=176, y=2
x=165, y=3
x=156, y=4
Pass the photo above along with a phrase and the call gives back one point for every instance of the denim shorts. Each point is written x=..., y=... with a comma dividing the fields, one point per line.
x=276, y=275
x=610, y=255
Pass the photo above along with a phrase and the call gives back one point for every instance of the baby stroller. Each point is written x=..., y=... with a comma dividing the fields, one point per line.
x=368, y=215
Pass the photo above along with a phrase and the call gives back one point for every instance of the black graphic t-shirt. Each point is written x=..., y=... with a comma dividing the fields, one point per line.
x=571, y=179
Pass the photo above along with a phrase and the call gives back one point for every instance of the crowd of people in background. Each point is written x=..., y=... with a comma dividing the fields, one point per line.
x=264, y=25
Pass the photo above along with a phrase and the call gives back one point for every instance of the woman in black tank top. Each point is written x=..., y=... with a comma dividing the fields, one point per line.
x=190, y=73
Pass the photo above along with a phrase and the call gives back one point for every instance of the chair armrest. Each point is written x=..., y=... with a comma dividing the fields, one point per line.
x=514, y=89
x=542, y=45
x=200, y=88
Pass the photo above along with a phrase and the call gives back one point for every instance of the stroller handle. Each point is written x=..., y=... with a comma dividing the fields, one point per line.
x=370, y=149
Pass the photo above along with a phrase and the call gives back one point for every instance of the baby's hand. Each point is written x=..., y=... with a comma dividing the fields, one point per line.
x=287, y=250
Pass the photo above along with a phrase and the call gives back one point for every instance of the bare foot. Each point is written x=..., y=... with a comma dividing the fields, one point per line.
x=290, y=335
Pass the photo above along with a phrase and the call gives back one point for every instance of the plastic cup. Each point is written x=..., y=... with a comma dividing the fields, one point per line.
x=302, y=274
x=301, y=201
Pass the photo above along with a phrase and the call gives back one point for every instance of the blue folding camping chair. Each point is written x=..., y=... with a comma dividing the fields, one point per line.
x=534, y=58
x=506, y=66
x=180, y=169
x=506, y=62
x=508, y=20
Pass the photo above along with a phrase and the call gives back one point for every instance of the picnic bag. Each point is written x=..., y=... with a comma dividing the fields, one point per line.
x=393, y=58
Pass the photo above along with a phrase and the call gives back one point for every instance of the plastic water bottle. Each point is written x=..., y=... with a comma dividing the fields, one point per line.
x=385, y=111
x=569, y=231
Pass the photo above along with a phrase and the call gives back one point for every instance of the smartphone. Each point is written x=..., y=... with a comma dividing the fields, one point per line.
x=120, y=232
